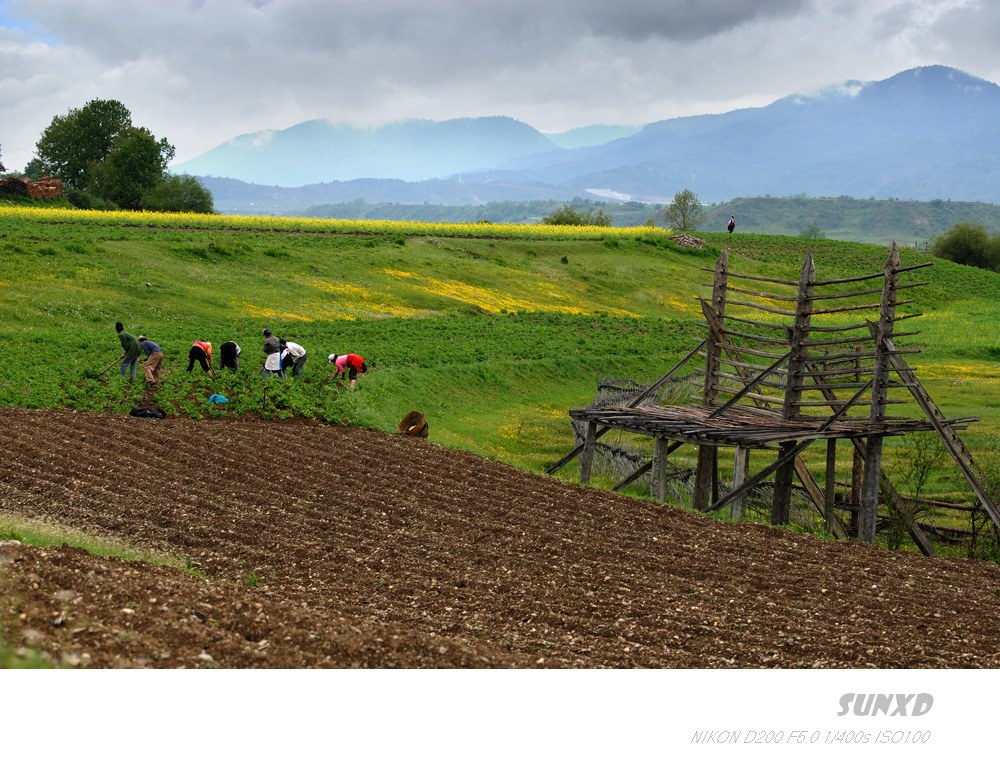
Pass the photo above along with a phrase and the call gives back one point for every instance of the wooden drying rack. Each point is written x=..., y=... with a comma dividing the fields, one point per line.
x=811, y=369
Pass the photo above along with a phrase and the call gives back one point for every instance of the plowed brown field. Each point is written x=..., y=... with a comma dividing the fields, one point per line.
x=335, y=546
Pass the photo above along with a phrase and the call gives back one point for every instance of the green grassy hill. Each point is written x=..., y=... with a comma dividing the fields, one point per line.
x=493, y=339
x=912, y=223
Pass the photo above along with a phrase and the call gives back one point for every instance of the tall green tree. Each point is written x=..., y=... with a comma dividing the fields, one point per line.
x=135, y=164
x=75, y=143
x=685, y=212
x=179, y=193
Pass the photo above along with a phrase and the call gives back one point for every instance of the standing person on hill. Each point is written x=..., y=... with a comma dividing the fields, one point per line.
x=294, y=357
x=230, y=352
x=154, y=360
x=202, y=353
x=732, y=224
x=272, y=351
x=348, y=364
x=132, y=350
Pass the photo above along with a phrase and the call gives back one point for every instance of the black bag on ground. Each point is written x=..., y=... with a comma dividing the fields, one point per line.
x=147, y=412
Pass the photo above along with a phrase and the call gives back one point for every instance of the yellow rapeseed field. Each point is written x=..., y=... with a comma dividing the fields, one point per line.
x=330, y=225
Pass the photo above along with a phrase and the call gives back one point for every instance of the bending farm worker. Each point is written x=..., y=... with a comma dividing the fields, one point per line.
x=230, y=355
x=349, y=364
x=294, y=357
x=272, y=349
x=154, y=360
x=202, y=353
x=132, y=350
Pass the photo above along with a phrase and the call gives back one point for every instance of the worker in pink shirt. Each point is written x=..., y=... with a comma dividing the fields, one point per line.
x=348, y=364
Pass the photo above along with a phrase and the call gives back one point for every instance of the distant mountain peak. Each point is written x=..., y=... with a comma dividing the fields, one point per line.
x=925, y=133
x=936, y=78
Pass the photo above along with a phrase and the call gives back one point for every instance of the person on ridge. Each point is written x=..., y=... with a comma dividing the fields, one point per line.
x=348, y=364
x=202, y=353
x=132, y=350
x=153, y=365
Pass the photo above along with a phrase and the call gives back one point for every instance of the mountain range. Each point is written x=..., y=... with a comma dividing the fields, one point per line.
x=926, y=133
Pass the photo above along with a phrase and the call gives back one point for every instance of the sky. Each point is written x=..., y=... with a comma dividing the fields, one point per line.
x=201, y=72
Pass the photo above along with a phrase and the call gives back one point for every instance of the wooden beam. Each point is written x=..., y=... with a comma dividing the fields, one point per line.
x=641, y=397
x=637, y=473
x=961, y=454
x=749, y=386
x=790, y=454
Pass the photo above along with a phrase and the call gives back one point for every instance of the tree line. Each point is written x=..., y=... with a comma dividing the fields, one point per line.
x=106, y=162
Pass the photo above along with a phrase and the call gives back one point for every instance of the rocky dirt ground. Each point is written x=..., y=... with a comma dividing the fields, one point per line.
x=327, y=546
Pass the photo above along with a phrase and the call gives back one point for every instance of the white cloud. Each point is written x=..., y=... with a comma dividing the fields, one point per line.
x=203, y=72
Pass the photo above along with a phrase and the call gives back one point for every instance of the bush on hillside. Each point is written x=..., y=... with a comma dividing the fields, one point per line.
x=567, y=215
x=970, y=245
x=179, y=193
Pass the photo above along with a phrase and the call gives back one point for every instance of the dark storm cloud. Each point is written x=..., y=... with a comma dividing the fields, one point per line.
x=202, y=71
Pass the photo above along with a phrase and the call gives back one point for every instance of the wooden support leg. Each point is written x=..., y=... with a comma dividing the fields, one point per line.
x=715, y=475
x=783, y=487
x=830, y=488
x=703, y=477
x=587, y=454
x=868, y=512
x=857, y=473
x=658, y=480
x=741, y=467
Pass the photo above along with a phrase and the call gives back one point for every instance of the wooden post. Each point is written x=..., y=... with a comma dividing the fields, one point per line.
x=703, y=478
x=741, y=468
x=715, y=475
x=705, y=474
x=857, y=463
x=797, y=359
x=587, y=454
x=658, y=479
x=783, y=486
x=857, y=472
x=793, y=387
x=868, y=513
x=713, y=349
x=830, y=489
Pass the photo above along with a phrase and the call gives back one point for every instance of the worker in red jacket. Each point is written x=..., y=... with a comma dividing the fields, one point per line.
x=348, y=364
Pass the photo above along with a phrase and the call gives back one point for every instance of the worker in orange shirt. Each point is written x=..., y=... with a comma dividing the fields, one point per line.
x=202, y=353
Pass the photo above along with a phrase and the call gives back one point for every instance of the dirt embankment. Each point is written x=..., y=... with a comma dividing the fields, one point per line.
x=333, y=546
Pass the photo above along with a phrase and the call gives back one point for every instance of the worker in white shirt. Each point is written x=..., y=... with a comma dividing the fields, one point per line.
x=294, y=358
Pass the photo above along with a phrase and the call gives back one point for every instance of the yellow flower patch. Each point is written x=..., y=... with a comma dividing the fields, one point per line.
x=361, y=301
x=495, y=301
